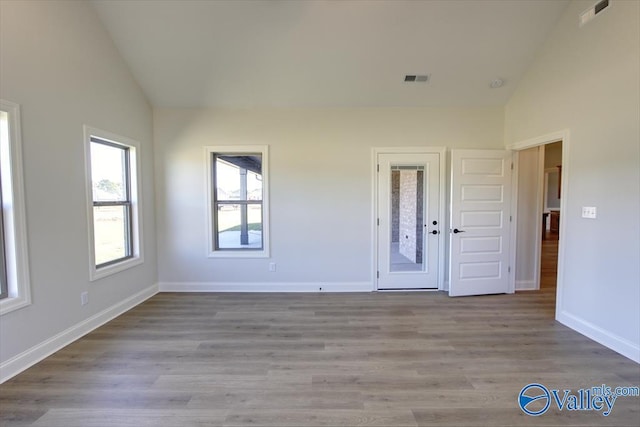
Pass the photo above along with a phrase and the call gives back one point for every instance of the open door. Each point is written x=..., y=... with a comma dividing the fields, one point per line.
x=480, y=222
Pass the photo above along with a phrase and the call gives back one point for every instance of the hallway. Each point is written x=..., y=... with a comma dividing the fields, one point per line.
x=549, y=262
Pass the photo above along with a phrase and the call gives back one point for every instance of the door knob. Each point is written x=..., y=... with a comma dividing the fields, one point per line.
x=435, y=222
x=456, y=231
x=434, y=232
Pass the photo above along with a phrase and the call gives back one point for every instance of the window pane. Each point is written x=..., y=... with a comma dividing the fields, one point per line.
x=108, y=172
x=254, y=186
x=4, y=288
x=407, y=213
x=4, y=139
x=239, y=226
x=238, y=177
x=111, y=232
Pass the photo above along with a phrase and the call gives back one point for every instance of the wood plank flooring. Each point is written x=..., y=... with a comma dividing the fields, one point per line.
x=379, y=359
x=549, y=261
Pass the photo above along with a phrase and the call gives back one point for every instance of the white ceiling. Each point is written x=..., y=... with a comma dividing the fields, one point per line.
x=327, y=53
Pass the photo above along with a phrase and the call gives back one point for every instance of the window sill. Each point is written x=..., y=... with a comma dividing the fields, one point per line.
x=238, y=254
x=9, y=304
x=96, y=274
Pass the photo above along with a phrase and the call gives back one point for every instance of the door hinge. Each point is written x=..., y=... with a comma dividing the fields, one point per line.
x=511, y=165
x=377, y=274
x=378, y=168
x=509, y=269
x=510, y=218
x=378, y=221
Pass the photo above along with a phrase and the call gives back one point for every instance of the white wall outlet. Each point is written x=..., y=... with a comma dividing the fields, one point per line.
x=84, y=298
x=589, y=212
x=272, y=266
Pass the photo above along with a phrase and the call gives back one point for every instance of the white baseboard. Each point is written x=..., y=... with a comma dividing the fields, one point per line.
x=266, y=287
x=35, y=354
x=526, y=285
x=607, y=339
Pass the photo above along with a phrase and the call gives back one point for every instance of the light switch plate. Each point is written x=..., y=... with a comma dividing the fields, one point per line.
x=589, y=212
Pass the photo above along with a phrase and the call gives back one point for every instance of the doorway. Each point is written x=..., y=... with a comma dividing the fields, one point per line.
x=408, y=192
x=552, y=197
x=541, y=188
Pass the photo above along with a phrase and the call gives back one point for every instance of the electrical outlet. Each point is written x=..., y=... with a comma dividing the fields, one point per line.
x=84, y=298
x=272, y=266
x=589, y=212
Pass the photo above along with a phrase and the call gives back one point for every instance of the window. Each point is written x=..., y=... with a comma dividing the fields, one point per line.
x=114, y=210
x=4, y=287
x=238, y=203
x=15, y=290
x=110, y=172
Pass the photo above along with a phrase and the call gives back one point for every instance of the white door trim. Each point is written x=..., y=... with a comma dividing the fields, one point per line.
x=375, y=151
x=515, y=160
x=564, y=136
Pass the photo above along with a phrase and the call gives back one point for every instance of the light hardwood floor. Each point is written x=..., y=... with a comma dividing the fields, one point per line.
x=396, y=359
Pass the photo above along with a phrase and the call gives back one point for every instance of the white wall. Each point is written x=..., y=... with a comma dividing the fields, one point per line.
x=587, y=80
x=321, y=203
x=58, y=63
x=528, y=234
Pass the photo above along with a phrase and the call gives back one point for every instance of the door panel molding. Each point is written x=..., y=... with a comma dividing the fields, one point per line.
x=480, y=212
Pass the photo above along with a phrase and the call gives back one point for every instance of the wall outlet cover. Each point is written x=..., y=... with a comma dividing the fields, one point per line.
x=589, y=212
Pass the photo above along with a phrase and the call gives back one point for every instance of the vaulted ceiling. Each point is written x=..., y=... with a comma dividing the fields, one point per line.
x=201, y=53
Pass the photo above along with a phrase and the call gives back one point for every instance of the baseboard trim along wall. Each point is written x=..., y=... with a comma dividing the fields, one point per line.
x=266, y=287
x=588, y=329
x=35, y=354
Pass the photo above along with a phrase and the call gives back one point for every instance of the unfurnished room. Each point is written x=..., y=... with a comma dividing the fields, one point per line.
x=319, y=213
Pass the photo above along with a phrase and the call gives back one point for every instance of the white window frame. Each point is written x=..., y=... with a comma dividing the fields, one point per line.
x=137, y=257
x=14, y=214
x=212, y=252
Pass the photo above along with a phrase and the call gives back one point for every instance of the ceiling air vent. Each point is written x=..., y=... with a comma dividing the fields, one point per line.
x=416, y=78
x=591, y=13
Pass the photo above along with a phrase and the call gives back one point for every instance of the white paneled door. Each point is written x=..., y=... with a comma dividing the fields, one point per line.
x=480, y=224
x=408, y=220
